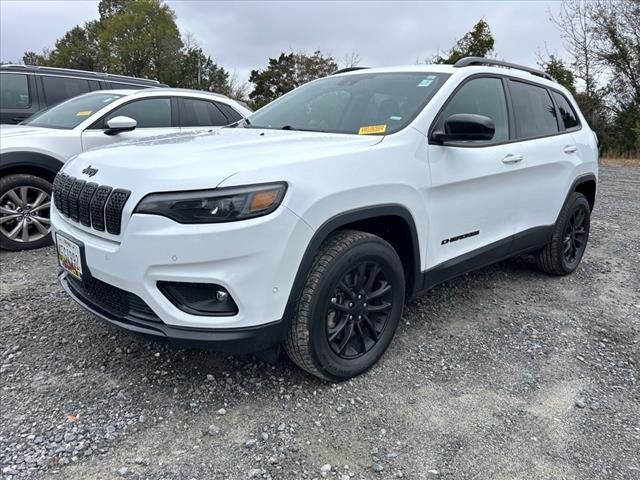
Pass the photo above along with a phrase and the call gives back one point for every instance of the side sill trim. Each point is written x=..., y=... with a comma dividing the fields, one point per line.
x=514, y=245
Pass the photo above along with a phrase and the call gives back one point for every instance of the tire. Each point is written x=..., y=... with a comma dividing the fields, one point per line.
x=315, y=336
x=24, y=202
x=553, y=258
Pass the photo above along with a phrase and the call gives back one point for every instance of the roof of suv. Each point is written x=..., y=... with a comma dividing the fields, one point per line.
x=82, y=73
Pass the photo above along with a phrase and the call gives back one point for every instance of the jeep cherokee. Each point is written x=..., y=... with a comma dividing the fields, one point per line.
x=312, y=222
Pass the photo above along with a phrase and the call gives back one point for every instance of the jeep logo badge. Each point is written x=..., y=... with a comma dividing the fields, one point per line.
x=90, y=171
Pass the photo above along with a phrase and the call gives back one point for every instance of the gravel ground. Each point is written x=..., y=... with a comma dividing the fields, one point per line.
x=504, y=373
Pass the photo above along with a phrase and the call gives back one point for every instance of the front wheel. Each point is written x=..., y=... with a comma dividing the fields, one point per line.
x=349, y=308
x=24, y=212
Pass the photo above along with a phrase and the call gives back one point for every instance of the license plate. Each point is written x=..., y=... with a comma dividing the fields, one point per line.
x=69, y=256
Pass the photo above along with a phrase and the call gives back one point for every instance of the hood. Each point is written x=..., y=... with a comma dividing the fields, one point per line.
x=205, y=159
x=13, y=131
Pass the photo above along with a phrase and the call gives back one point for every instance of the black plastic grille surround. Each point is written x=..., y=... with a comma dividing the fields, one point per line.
x=92, y=205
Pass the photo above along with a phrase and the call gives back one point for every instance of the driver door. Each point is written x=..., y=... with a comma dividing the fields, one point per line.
x=154, y=117
x=473, y=198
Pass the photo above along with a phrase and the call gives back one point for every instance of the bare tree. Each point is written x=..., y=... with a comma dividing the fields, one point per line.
x=576, y=28
x=350, y=60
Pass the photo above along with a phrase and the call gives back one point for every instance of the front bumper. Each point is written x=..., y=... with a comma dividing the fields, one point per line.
x=233, y=340
x=254, y=260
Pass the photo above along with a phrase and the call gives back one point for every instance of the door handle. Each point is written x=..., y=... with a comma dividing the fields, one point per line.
x=512, y=158
x=570, y=149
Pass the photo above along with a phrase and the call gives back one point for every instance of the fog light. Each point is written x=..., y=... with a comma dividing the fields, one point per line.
x=199, y=298
x=222, y=296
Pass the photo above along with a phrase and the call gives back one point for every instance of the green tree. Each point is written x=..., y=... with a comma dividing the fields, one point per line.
x=555, y=67
x=76, y=49
x=200, y=72
x=476, y=43
x=142, y=40
x=288, y=71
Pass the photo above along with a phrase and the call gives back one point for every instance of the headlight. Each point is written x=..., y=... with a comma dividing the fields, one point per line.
x=213, y=206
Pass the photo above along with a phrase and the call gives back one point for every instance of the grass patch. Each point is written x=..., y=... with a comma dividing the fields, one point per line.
x=620, y=161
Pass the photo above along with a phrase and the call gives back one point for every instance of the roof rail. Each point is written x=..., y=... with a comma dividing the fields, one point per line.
x=470, y=61
x=348, y=69
x=83, y=72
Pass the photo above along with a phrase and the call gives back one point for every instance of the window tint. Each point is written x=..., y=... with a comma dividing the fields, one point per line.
x=481, y=96
x=149, y=113
x=57, y=89
x=231, y=114
x=533, y=109
x=200, y=113
x=567, y=113
x=14, y=91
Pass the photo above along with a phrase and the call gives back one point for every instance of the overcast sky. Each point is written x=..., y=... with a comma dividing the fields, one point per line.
x=241, y=36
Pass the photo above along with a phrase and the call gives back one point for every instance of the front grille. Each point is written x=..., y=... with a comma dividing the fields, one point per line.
x=92, y=205
x=113, y=300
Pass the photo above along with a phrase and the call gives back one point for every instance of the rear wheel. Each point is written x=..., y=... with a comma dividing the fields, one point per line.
x=24, y=212
x=563, y=253
x=349, y=308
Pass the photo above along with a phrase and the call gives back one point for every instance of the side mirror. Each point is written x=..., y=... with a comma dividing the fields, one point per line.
x=465, y=126
x=120, y=124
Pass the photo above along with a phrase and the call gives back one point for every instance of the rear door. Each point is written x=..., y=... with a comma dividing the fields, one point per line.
x=550, y=154
x=472, y=201
x=200, y=114
x=155, y=116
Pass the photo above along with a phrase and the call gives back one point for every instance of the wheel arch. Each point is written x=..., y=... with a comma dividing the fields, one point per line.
x=585, y=184
x=32, y=163
x=393, y=223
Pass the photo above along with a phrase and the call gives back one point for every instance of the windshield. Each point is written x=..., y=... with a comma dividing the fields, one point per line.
x=363, y=103
x=71, y=113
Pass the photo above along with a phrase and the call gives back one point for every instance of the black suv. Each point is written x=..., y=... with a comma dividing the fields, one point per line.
x=26, y=89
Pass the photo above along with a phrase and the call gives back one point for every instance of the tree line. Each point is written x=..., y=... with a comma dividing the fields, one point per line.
x=140, y=38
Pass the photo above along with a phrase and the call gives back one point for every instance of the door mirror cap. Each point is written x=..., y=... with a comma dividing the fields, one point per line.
x=120, y=124
x=465, y=126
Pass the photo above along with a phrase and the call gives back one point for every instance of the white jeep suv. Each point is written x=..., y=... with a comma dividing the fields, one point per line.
x=310, y=224
x=32, y=152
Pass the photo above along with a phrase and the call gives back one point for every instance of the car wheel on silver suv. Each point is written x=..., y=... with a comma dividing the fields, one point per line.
x=24, y=212
x=349, y=308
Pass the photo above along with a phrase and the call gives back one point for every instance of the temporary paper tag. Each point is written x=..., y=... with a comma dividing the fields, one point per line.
x=371, y=129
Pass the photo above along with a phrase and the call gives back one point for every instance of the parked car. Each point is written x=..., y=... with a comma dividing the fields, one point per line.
x=27, y=89
x=312, y=223
x=32, y=152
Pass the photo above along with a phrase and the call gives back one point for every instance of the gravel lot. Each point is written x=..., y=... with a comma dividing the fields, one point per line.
x=501, y=374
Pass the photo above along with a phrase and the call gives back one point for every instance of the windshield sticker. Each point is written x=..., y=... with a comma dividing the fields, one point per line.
x=395, y=118
x=427, y=81
x=372, y=129
x=83, y=113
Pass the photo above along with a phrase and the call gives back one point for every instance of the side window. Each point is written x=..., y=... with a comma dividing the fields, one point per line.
x=14, y=91
x=533, y=109
x=231, y=114
x=567, y=113
x=481, y=96
x=200, y=113
x=57, y=89
x=149, y=113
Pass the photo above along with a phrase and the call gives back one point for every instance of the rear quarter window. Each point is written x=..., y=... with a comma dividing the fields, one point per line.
x=533, y=109
x=568, y=116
